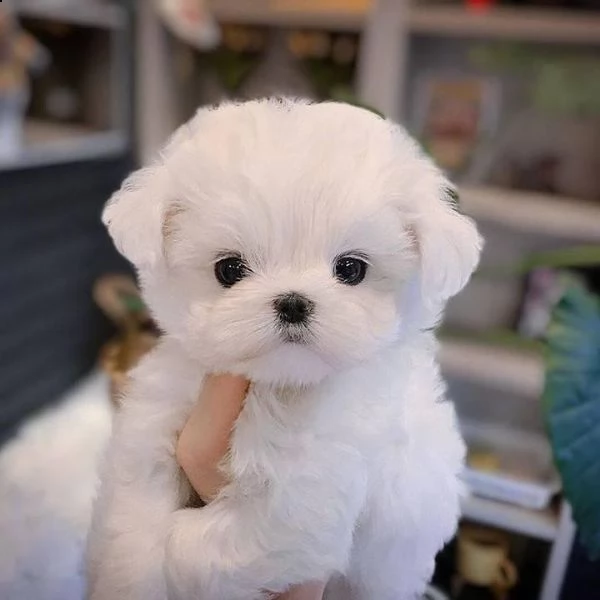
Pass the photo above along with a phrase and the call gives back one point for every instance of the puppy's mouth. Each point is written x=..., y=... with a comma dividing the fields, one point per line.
x=295, y=334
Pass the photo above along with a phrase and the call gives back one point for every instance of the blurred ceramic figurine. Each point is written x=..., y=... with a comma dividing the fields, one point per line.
x=484, y=569
x=20, y=54
x=191, y=21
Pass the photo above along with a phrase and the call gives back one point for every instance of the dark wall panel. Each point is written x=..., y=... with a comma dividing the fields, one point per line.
x=52, y=249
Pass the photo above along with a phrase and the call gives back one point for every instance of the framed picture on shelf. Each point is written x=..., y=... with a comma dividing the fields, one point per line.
x=454, y=114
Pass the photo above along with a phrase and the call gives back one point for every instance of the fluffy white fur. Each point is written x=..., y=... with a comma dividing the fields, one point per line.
x=345, y=460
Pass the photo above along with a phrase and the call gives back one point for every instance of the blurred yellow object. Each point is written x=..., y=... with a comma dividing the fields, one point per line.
x=239, y=38
x=309, y=44
x=483, y=461
x=119, y=356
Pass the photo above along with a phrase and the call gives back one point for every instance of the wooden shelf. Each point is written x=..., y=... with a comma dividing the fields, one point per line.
x=512, y=370
x=552, y=26
x=51, y=143
x=539, y=524
x=330, y=14
x=567, y=218
x=87, y=13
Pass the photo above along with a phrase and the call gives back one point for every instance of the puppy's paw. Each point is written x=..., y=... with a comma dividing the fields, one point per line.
x=184, y=564
x=200, y=561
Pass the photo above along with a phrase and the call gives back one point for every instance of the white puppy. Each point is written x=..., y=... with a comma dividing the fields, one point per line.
x=310, y=247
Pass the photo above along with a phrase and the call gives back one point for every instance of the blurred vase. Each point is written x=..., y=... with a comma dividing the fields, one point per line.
x=279, y=73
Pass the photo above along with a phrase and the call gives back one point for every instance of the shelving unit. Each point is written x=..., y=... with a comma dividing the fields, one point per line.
x=538, y=524
x=451, y=20
x=391, y=22
x=385, y=26
x=108, y=132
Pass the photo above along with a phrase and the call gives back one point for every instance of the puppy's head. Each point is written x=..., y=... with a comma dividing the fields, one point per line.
x=285, y=240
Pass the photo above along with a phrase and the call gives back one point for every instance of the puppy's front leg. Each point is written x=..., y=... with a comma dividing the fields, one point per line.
x=140, y=487
x=248, y=543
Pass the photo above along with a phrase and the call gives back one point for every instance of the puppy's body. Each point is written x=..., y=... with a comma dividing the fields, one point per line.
x=344, y=462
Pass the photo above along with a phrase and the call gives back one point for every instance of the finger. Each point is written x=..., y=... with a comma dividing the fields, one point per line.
x=204, y=439
x=307, y=591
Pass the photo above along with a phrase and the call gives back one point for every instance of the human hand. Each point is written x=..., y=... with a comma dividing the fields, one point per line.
x=204, y=441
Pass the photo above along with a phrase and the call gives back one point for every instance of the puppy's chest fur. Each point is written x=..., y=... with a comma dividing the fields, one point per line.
x=283, y=430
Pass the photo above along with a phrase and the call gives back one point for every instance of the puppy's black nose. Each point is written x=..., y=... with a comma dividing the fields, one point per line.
x=293, y=308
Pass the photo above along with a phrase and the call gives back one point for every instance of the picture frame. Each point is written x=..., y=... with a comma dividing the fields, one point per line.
x=454, y=115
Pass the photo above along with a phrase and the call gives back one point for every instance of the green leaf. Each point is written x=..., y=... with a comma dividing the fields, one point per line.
x=571, y=403
x=134, y=304
x=231, y=67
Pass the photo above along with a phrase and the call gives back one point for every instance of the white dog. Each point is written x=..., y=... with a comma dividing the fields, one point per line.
x=311, y=248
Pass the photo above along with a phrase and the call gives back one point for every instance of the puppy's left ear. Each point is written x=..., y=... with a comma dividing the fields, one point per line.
x=137, y=215
x=449, y=246
x=134, y=216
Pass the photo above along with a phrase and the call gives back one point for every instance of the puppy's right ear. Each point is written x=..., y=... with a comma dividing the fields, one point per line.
x=134, y=216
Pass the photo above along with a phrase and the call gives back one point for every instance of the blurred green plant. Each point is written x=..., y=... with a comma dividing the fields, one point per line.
x=231, y=67
x=575, y=257
x=349, y=97
x=571, y=404
x=561, y=82
x=327, y=76
x=333, y=81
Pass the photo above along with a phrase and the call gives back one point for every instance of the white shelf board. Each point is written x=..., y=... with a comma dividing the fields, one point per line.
x=529, y=212
x=88, y=13
x=48, y=143
x=514, y=371
x=539, y=524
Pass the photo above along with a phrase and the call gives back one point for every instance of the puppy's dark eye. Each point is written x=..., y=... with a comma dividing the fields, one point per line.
x=350, y=270
x=230, y=270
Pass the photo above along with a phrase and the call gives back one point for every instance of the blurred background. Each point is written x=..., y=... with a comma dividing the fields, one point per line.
x=504, y=94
